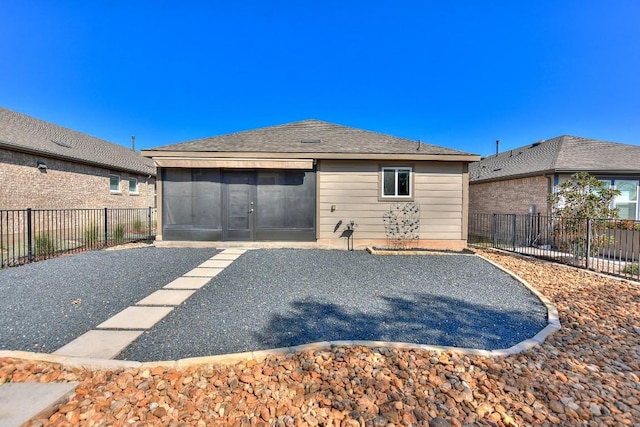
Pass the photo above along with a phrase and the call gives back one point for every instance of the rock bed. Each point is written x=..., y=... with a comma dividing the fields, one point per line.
x=585, y=374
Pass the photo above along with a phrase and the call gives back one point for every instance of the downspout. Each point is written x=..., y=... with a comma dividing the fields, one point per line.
x=550, y=187
x=553, y=182
x=146, y=186
x=465, y=203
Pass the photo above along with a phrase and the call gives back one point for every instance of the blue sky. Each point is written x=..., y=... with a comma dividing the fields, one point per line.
x=460, y=74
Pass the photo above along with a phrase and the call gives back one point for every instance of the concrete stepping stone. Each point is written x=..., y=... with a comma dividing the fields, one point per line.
x=21, y=402
x=136, y=318
x=203, y=272
x=230, y=257
x=188, y=283
x=166, y=297
x=234, y=251
x=99, y=344
x=216, y=263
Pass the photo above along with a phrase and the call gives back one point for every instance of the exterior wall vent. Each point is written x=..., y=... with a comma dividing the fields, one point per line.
x=310, y=141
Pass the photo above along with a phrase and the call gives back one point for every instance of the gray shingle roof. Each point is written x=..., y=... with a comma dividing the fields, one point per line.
x=309, y=136
x=24, y=133
x=562, y=154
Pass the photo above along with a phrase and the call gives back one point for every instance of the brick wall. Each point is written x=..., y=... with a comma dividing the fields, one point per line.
x=65, y=184
x=509, y=196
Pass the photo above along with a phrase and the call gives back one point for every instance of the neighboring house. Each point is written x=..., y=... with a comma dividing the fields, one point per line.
x=520, y=180
x=308, y=181
x=45, y=166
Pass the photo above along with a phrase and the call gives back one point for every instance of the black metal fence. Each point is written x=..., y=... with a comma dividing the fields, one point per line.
x=29, y=235
x=610, y=246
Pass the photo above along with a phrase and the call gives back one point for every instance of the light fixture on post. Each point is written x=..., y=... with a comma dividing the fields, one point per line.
x=42, y=165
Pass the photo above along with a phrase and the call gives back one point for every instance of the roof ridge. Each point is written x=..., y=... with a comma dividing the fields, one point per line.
x=561, y=141
x=301, y=122
x=286, y=137
x=262, y=128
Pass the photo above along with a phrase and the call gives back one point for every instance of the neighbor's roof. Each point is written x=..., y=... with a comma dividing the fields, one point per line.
x=308, y=137
x=562, y=154
x=27, y=134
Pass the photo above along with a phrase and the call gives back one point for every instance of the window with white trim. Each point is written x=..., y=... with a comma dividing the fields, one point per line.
x=396, y=182
x=114, y=183
x=627, y=201
x=133, y=186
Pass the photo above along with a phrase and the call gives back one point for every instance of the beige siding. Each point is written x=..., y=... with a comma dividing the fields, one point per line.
x=353, y=188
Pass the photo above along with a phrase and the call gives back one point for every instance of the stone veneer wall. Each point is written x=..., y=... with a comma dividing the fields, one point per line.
x=65, y=184
x=509, y=196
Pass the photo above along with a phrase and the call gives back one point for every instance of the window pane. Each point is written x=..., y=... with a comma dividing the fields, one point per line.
x=389, y=182
x=628, y=191
x=404, y=182
x=626, y=210
x=627, y=201
x=133, y=185
x=114, y=182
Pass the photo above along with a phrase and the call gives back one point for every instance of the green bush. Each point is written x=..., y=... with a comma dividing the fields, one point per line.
x=117, y=233
x=632, y=268
x=44, y=245
x=138, y=225
x=91, y=234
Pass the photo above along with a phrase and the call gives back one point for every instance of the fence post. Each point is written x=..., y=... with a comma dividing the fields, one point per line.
x=494, y=230
x=29, y=237
x=106, y=224
x=588, y=243
x=513, y=241
x=149, y=223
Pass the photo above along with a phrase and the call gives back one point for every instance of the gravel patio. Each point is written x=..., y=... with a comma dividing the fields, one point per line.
x=586, y=374
x=270, y=298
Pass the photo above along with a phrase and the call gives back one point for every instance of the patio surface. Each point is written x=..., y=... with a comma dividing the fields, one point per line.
x=587, y=373
x=167, y=303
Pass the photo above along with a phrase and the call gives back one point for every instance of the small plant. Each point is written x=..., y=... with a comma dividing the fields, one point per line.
x=402, y=224
x=633, y=268
x=138, y=225
x=44, y=245
x=117, y=233
x=91, y=234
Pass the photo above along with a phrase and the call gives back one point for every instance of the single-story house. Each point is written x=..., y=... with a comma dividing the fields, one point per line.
x=520, y=180
x=46, y=166
x=310, y=181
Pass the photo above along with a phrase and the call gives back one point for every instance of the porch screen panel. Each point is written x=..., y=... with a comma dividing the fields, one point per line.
x=286, y=199
x=191, y=201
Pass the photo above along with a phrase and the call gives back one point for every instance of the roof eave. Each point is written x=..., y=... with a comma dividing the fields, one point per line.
x=317, y=156
x=600, y=171
x=50, y=155
x=508, y=177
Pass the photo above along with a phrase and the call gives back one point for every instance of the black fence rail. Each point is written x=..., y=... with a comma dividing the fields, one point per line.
x=30, y=235
x=610, y=246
